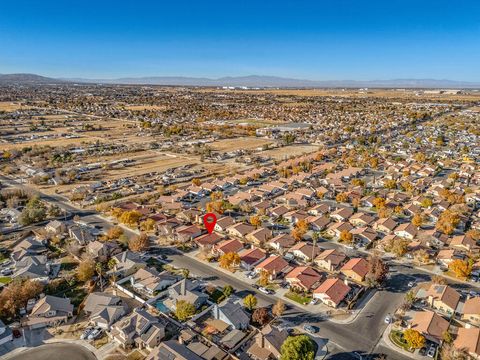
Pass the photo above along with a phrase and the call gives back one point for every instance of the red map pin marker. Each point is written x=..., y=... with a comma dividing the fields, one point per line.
x=209, y=220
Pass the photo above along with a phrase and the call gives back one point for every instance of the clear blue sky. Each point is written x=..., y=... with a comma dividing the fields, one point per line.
x=321, y=39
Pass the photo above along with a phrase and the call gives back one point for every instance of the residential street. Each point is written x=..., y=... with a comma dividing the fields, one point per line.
x=361, y=336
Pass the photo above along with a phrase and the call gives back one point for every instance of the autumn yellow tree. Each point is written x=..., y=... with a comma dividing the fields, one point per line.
x=196, y=182
x=130, y=218
x=414, y=339
x=148, y=225
x=417, y=220
x=250, y=302
x=255, y=221
x=346, y=237
x=229, y=260
x=390, y=184
x=447, y=222
x=342, y=197
x=264, y=278
x=379, y=202
x=461, y=268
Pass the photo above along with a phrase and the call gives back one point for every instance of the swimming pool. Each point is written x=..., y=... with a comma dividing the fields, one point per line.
x=161, y=307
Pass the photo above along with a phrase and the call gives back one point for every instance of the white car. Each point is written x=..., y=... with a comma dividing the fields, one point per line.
x=431, y=351
x=94, y=334
x=411, y=284
x=388, y=319
x=314, y=302
x=86, y=333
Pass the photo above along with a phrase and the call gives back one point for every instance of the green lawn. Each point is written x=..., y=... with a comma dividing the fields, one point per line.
x=301, y=299
x=396, y=337
x=217, y=296
x=5, y=279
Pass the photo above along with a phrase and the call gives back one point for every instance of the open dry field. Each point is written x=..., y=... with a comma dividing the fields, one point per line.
x=291, y=150
x=355, y=93
x=51, y=142
x=242, y=143
x=150, y=162
x=12, y=106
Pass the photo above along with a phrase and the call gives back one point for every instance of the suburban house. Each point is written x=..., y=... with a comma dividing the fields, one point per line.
x=139, y=328
x=282, y=242
x=127, y=263
x=303, y=278
x=267, y=343
x=429, y=324
x=104, y=309
x=187, y=233
x=223, y=223
x=443, y=298
x=249, y=258
x=149, y=280
x=332, y=292
x=102, y=250
x=275, y=265
x=385, y=225
x=330, y=260
x=227, y=246
x=49, y=311
x=173, y=350
x=304, y=251
x=355, y=269
x=259, y=236
x=232, y=312
x=471, y=311
x=240, y=230
x=207, y=241
x=406, y=230
x=468, y=339
x=55, y=227
x=185, y=290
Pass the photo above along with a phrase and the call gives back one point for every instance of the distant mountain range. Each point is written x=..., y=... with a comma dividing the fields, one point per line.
x=246, y=81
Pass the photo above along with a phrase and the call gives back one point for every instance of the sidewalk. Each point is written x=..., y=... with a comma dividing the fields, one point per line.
x=387, y=342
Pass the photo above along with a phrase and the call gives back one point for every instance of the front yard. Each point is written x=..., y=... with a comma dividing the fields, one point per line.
x=396, y=336
x=299, y=298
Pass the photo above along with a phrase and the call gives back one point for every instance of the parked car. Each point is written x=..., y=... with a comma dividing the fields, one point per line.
x=252, y=275
x=6, y=272
x=95, y=334
x=411, y=284
x=431, y=351
x=266, y=291
x=388, y=319
x=86, y=333
x=310, y=329
x=314, y=301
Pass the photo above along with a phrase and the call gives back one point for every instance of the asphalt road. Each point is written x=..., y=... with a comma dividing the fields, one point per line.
x=58, y=351
x=361, y=336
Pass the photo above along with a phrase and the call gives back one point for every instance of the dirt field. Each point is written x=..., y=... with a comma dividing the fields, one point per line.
x=51, y=142
x=292, y=150
x=12, y=106
x=387, y=93
x=247, y=143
